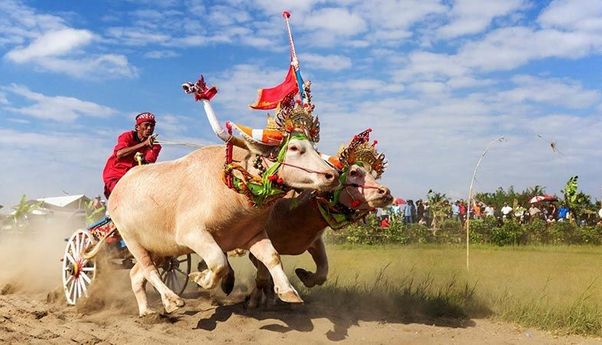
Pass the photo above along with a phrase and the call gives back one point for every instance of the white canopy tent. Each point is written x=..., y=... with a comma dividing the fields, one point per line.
x=65, y=203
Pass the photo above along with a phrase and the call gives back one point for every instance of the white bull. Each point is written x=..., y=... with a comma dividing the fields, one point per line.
x=183, y=206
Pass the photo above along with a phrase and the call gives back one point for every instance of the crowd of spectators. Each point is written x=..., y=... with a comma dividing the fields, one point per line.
x=421, y=213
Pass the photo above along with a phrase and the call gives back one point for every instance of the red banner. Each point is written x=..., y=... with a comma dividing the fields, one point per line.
x=269, y=98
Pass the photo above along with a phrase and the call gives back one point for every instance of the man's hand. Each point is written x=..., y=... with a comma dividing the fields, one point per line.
x=150, y=141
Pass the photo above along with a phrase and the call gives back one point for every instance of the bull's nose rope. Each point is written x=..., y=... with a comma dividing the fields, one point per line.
x=334, y=212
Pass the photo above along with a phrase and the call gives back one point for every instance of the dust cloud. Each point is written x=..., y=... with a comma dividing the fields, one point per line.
x=30, y=256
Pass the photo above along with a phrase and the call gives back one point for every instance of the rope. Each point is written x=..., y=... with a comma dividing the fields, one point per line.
x=164, y=142
x=298, y=167
x=338, y=215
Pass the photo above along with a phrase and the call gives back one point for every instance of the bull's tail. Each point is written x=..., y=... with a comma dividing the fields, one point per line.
x=228, y=281
x=92, y=252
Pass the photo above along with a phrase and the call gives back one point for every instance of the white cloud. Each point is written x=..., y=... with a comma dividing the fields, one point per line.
x=45, y=43
x=582, y=15
x=327, y=62
x=462, y=82
x=108, y=66
x=474, y=16
x=337, y=21
x=510, y=47
x=358, y=85
x=161, y=54
x=430, y=88
x=21, y=23
x=173, y=125
x=430, y=66
x=296, y=7
x=54, y=43
x=227, y=15
x=434, y=142
x=550, y=92
x=137, y=36
x=69, y=162
x=3, y=99
x=55, y=108
x=393, y=14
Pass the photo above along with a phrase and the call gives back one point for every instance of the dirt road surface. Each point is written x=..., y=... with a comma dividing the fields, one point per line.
x=33, y=311
x=37, y=318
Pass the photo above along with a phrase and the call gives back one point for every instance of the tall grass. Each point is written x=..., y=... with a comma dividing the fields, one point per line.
x=552, y=288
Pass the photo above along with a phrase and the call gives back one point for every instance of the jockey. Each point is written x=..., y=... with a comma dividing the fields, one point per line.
x=130, y=143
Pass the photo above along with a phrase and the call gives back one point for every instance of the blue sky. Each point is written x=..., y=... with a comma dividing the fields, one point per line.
x=436, y=80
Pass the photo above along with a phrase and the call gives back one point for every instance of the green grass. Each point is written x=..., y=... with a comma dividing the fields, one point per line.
x=552, y=288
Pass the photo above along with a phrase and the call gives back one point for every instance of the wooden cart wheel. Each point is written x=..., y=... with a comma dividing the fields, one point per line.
x=174, y=272
x=78, y=273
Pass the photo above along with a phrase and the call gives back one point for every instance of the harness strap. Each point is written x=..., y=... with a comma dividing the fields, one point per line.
x=263, y=189
x=229, y=145
x=336, y=214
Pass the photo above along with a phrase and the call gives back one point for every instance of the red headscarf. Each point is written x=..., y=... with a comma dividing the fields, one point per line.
x=145, y=117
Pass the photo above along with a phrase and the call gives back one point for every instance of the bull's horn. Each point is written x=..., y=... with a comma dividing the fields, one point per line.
x=204, y=94
x=269, y=137
x=220, y=131
x=333, y=161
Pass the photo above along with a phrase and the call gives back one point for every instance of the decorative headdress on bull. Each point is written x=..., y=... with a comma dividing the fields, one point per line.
x=291, y=115
x=360, y=151
x=293, y=122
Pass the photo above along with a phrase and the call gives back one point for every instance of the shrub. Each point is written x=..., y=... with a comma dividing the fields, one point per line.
x=482, y=231
x=417, y=233
x=510, y=233
x=450, y=231
x=537, y=232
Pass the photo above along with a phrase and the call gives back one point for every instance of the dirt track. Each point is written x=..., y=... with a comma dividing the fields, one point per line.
x=43, y=318
x=33, y=311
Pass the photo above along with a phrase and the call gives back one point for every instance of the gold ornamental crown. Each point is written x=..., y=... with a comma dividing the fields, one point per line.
x=271, y=123
x=292, y=116
x=361, y=151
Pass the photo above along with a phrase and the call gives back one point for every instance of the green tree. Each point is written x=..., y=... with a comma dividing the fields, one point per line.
x=579, y=203
x=23, y=210
x=95, y=211
x=510, y=196
x=439, y=207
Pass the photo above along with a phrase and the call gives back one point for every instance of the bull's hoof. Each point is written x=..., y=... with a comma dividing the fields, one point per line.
x=307, y=278
x=172, y=304
x=203, y=279
x=227, y=284
x=147, y=312
x=290, y=296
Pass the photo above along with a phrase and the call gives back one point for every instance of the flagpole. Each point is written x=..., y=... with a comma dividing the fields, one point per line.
x=294, y=60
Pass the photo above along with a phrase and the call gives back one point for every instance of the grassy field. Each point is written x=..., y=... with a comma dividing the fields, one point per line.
x=552, y=288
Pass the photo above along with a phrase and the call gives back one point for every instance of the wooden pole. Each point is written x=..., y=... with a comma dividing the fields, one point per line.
x=474, y=175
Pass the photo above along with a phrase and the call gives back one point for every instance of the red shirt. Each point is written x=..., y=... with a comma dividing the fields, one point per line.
x=117, y=167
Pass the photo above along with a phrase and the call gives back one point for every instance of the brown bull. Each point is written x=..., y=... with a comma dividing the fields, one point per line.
x=310, y=215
